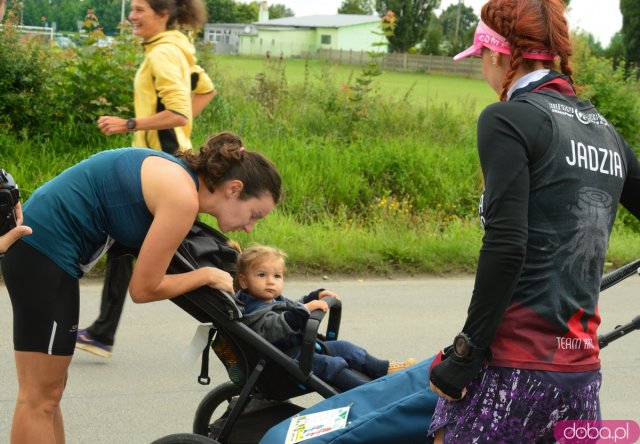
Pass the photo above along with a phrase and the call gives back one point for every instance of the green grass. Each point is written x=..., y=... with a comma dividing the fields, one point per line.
x=418, y=88
x=383, y=182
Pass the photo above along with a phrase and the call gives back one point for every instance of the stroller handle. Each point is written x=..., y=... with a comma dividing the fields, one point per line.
x=610, y=280
x=310, y=336
x=618, y=332
x=620, y=274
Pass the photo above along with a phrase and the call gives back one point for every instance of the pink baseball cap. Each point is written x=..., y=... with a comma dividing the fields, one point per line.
x=488, y=38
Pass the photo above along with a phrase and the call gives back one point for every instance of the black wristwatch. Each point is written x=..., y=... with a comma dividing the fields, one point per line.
x=464, y=348
x=131, y=124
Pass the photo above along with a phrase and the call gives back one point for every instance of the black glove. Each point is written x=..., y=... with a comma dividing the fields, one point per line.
x=453, y=373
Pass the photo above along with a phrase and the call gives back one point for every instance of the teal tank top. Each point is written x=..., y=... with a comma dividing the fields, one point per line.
x=77, y=212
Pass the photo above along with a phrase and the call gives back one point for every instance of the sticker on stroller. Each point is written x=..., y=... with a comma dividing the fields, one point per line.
x=315, y=424
x=197, y=344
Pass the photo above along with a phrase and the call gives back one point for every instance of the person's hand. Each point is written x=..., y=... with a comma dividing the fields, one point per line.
x=328, y=294
x=449, y=375
x=110, y=125
x=218, y=279
x=317, y=305
x=440, y=393
x=13, y=235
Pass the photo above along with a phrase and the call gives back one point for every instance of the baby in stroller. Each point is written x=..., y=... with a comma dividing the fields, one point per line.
x=281, y=321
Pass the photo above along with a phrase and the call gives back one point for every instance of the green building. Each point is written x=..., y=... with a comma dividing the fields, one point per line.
x=299, y=36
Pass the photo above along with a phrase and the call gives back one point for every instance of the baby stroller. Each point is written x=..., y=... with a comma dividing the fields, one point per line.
x=262, y=378
x=256, y=400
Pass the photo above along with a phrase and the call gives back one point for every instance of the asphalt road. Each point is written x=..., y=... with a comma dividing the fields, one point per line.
x=146, y=390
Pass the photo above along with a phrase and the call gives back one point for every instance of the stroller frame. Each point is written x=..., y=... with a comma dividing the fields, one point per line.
x=265, y=371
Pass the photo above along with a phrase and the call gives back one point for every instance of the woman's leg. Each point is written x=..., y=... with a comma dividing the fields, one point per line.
x=41, y=381
x=45, y=302
x=503, y=403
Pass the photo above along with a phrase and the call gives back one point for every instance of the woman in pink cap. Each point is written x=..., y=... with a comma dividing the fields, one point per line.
x=554, y=172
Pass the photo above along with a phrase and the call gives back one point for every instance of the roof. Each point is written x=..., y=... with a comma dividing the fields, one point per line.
x=320, y=21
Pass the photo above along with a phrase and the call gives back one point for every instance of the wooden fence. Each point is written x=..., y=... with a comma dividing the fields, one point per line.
x=469, y=67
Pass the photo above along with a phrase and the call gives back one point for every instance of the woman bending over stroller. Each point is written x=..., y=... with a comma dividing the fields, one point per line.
x=141, y=198
x=281, y=321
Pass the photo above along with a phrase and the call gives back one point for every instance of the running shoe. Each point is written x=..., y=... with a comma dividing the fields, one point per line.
x=397, y=366
x=85, y=342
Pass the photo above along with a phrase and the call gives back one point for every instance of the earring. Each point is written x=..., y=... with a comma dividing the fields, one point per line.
x=494, y=58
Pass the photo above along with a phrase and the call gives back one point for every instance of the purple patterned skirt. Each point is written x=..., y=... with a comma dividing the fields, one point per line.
x=508, y=405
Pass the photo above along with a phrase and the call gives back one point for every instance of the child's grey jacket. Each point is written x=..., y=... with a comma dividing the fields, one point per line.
x=280, y=321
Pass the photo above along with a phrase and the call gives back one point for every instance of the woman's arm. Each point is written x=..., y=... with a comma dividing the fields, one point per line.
x=172, y=198
x=200, y=101
x=202, y=89
x=504, y=157
x=110, y=125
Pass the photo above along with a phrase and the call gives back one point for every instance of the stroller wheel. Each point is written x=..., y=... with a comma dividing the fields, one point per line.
x=213, y=407
x=184, y=438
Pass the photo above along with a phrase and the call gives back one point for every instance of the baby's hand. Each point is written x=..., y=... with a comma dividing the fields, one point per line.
x=328, y=294
x=317, y=305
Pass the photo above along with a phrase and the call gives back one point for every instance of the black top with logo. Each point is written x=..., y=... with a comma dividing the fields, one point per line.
x=555, y=171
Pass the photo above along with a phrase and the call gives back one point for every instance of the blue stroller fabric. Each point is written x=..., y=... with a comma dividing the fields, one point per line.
x=396, y=408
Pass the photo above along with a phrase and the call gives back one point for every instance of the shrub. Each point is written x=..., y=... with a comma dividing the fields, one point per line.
x=94, y=81
x=617, y=98
x=25, y=90
x=45, y=90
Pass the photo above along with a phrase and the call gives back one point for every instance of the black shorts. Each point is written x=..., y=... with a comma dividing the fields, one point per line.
x=45, y=300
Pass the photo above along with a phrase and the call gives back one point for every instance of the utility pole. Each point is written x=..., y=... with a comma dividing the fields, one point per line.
x=458, y=21
x=122, y=18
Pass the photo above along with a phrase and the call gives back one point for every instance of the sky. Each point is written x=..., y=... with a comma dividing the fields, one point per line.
x=600, y=18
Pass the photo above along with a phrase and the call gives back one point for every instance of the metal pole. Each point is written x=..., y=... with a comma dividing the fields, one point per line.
x=457, y=22
x=122, y=18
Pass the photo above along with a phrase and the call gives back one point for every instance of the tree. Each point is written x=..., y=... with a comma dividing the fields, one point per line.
x=363, y=7
x=456, y=28
x=413, y=20
x=279, y=10
x=246, y=12
x=595, y=47
x=434, y=37
x=67, y=13
x=630, y=10
x=615, y=50
x=221, y=11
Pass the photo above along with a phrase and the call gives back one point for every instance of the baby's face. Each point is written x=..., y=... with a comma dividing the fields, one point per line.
x=265, y=280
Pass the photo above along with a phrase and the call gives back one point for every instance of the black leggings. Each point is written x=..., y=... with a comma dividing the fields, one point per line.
x=45, y=300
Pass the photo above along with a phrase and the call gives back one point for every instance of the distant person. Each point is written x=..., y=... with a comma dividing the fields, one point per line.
x=140, y=198
x=91, y=22
x=554, y=173
x=170, y=89
x=282, y=321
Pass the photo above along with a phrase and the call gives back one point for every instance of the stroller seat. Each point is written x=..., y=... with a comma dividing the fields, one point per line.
x=262, y=377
